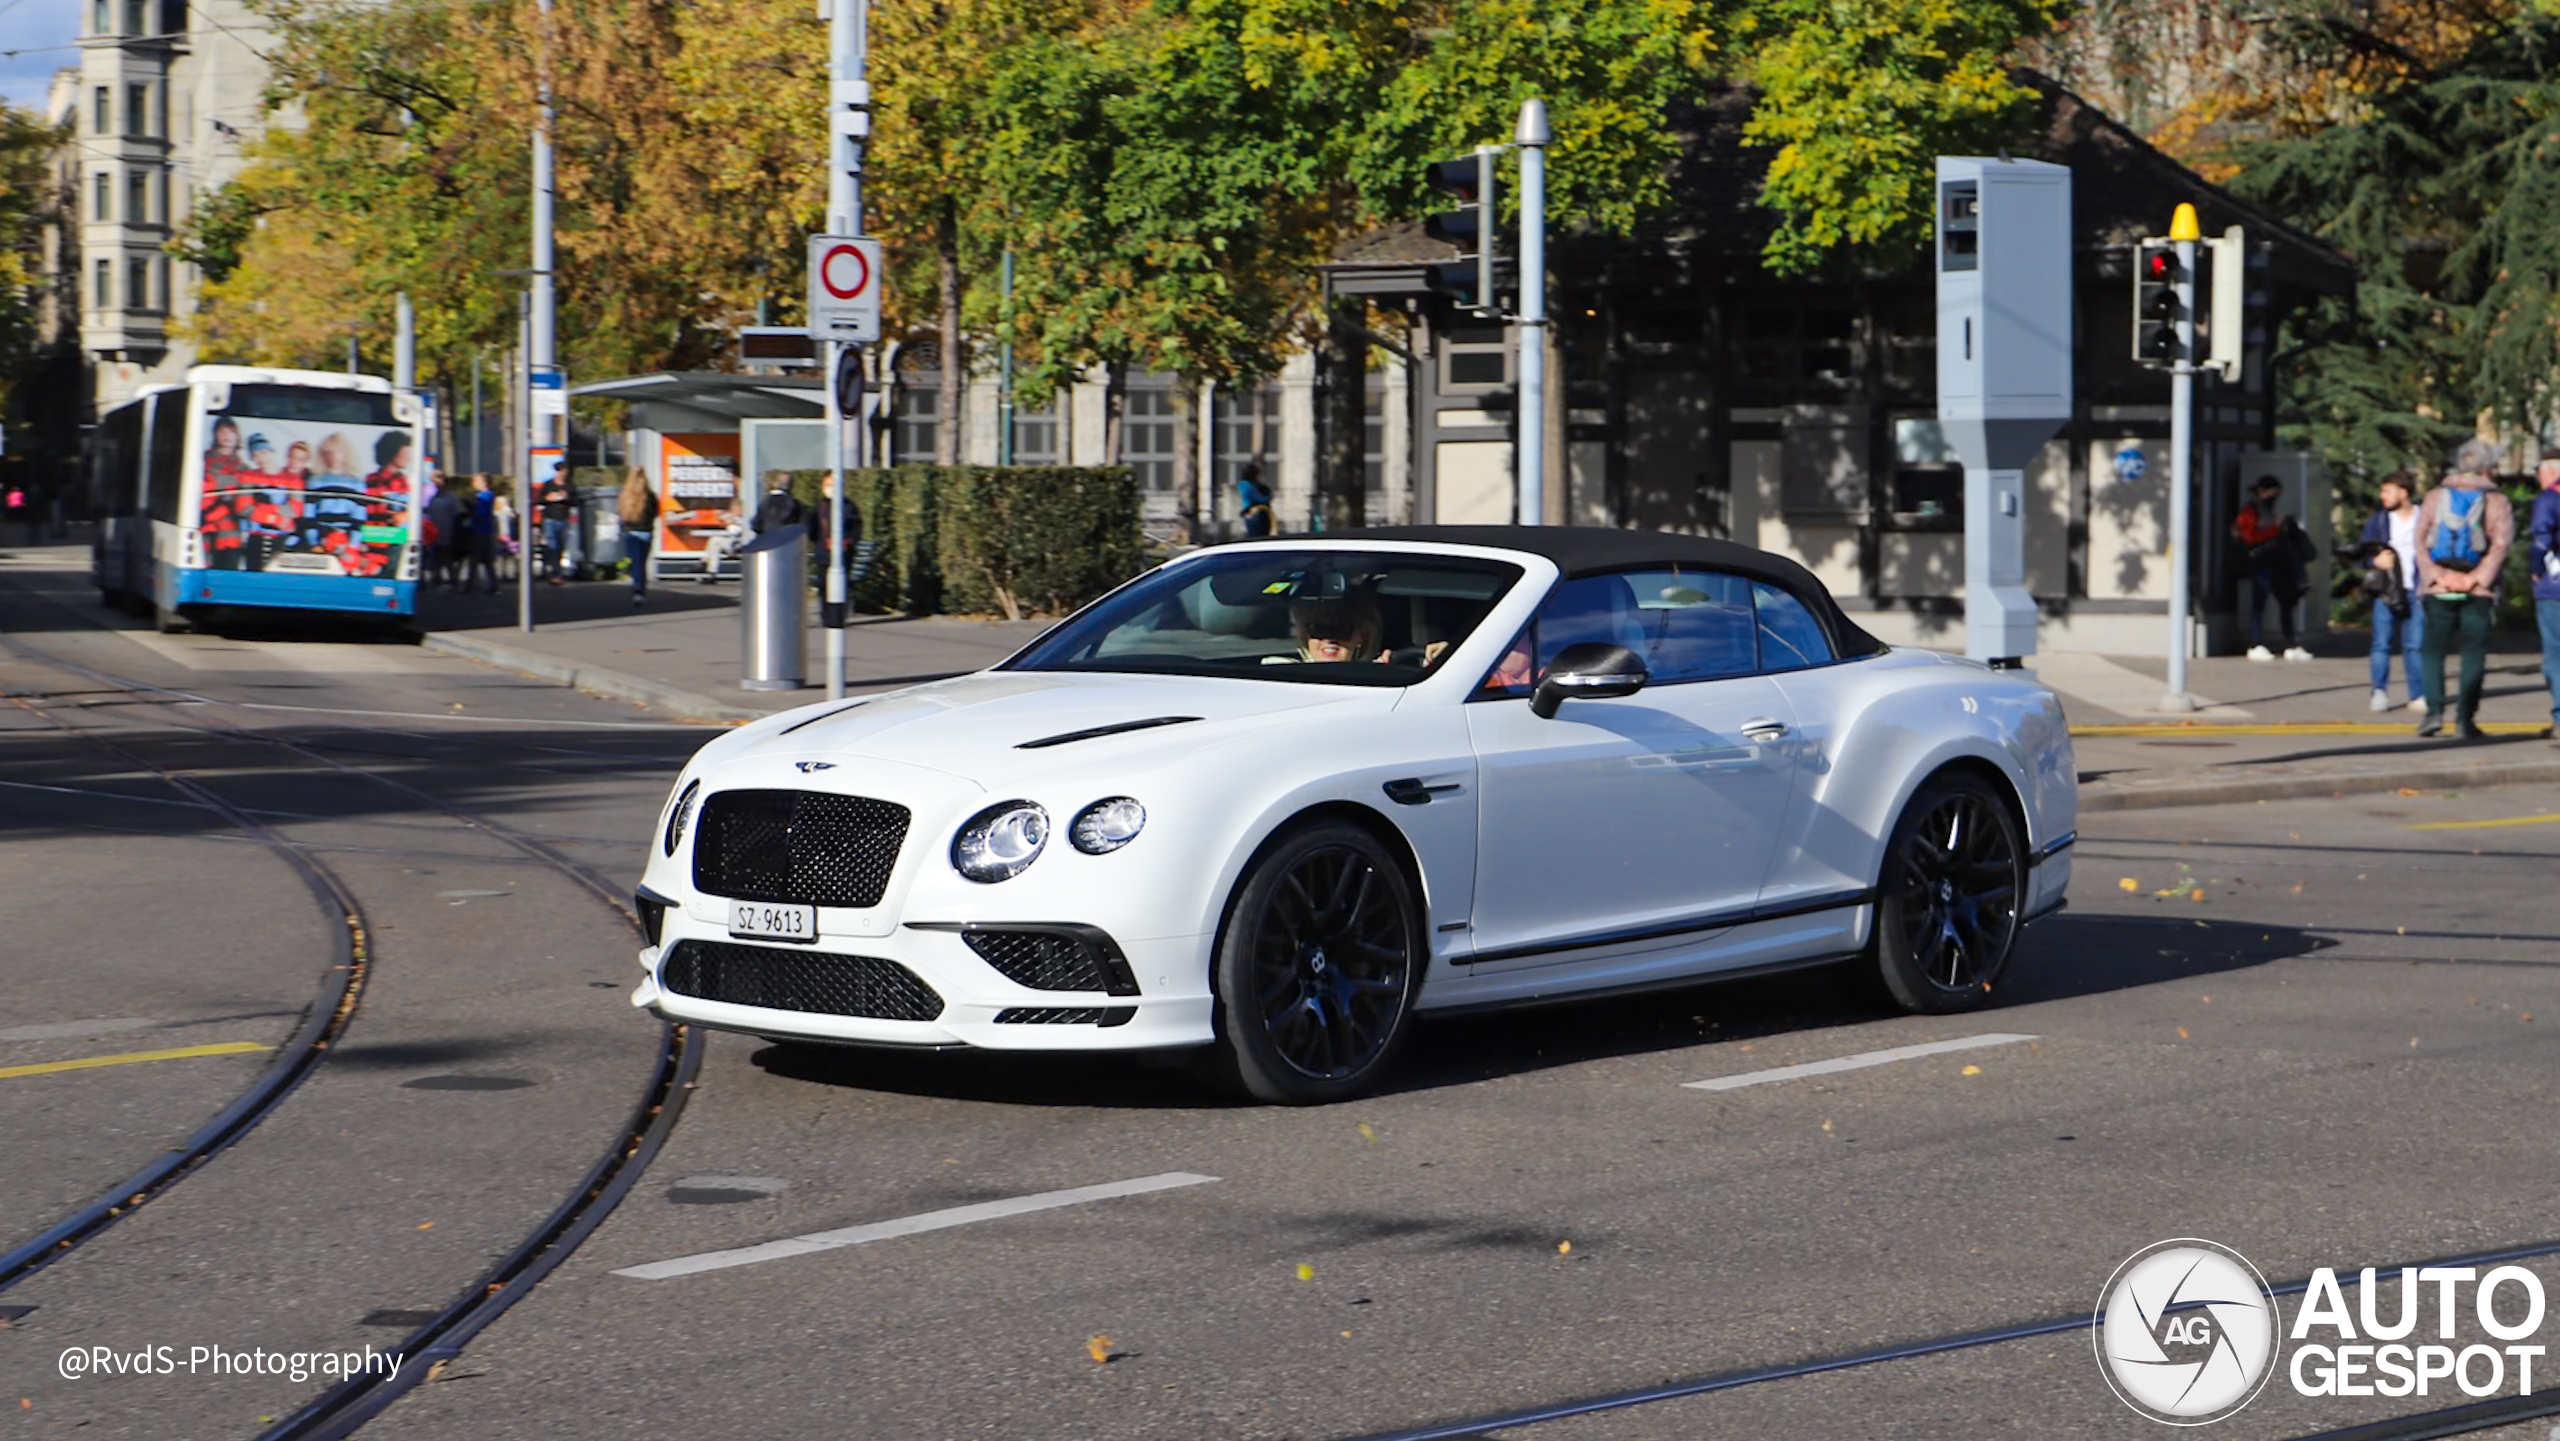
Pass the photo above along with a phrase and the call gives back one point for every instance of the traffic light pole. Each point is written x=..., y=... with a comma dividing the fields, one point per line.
x=2182, y=427
x=1531, y=454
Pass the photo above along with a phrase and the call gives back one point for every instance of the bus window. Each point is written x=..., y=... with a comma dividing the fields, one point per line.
x=120, y=461
x=168, y=452
x=317, y=405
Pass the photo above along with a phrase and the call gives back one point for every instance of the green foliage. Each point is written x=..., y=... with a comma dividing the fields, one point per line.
x=2444, y=194
x=1859, y=95
x=26, y=143
x=971, y=539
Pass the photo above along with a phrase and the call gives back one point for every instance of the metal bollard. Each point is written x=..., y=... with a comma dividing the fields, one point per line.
x=773, y=609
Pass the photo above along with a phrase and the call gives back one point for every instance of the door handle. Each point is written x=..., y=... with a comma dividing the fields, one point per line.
x=1764, y=730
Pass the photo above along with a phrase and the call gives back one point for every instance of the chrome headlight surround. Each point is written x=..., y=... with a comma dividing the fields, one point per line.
x=998, y=842
x=680, y=815
x=1107, y=825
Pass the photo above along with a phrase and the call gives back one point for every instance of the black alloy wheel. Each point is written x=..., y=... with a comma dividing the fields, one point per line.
x=1947, y=915
x=1316, y=969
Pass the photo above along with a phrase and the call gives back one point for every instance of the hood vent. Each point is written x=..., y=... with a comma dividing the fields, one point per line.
x=1069, y=737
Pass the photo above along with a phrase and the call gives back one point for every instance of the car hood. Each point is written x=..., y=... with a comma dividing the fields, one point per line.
x=978, y=726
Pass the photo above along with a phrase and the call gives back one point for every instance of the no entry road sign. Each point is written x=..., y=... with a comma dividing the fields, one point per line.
x=844, y=288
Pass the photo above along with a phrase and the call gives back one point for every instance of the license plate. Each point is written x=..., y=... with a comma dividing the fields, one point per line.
x=760, y=921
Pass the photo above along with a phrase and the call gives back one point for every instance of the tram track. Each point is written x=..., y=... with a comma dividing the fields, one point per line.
x=2449, y=1421
x=342, y=1408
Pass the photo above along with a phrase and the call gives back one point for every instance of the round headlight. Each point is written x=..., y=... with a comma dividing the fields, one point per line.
x=1107, y=825
x=999, y=841
x=680, y=815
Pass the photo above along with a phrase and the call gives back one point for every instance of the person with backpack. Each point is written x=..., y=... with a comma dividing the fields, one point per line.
x=2465, y=527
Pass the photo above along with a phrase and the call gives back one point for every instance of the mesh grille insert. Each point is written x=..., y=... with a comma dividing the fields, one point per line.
x=1042, y=960
x=1051, y=1016
x=810, y=981
x=798, y=846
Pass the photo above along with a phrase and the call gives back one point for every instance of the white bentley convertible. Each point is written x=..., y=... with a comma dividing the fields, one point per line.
x=1282, y=796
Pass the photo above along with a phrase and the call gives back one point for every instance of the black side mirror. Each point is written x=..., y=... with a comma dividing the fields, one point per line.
x=1592, y=670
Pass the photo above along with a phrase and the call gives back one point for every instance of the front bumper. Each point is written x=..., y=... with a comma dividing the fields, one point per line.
x=972, y=992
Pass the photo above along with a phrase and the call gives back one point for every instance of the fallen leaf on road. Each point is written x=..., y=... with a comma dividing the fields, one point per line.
x=1564, y=1248
x=426, y=1225
x=2128, y=884
x=2297, y=888
x=1367, y=1132
x=1306, y=1272
x=1970, y=1071
x=1346, y=1335
x=1099, y=1348
x=2413, y=1043
x=2208, y=1000
x=1826, y=1125
x=2528, y=1015
x=2411, y=791
x=2182, y=1033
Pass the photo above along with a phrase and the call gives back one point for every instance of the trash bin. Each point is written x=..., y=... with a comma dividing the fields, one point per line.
x=597, y=536
x=773, y=609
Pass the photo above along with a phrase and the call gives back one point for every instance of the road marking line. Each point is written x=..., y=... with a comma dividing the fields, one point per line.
x=2542, y=820
x=226, y=1048
x=908, y=1226
x=1858, y=1062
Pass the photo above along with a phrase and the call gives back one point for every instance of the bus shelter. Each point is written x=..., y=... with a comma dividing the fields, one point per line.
x=707, y=440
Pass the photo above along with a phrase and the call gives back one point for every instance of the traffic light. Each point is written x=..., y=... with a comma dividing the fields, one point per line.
x=2156, y=312
x=1471, y=228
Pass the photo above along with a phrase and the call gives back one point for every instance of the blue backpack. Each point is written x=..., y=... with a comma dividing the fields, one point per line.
x=2459, y=543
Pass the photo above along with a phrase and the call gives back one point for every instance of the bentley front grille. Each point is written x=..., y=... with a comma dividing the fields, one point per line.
x=809, y=847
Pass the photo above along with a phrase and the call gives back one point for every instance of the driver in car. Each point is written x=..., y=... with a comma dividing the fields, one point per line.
x=1344, y=628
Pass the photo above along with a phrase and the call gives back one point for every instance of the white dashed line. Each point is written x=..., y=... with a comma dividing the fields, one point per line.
x=908, y=1226
x=1858, y=1062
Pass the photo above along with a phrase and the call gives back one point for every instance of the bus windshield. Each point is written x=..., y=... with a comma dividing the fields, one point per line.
x=305, y=478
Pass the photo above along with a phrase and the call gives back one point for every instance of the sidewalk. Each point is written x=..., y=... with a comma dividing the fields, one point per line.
x=679, y=656
x=2276, y=730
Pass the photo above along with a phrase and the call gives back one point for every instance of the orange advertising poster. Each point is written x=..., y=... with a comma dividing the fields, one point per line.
x=697, y=489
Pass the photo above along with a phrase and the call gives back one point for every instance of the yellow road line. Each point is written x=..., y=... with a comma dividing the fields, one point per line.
x=2484, y=825
x=2298, y=728
x=226, y=1048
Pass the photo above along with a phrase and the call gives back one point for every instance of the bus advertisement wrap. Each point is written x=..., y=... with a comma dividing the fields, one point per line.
x=316, y=497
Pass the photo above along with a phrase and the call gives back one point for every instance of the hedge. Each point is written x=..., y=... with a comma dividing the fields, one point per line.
x=1019, y=540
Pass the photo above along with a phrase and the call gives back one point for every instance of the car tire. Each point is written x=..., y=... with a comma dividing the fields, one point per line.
x=1947, y=901
x=1317, y=966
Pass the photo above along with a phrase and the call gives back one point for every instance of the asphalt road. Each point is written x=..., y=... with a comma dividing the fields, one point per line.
x=2315, y=1031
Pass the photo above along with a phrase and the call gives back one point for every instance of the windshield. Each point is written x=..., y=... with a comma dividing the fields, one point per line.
x=1335, y=617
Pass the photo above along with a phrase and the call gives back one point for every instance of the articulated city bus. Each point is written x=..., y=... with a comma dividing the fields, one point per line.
x=250, y=487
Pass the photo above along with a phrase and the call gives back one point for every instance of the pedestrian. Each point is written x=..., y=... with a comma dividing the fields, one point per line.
x=2399, y=624
x=552, y=507
x=819, y=534
x=638, y=508
x=2545, y=555
x=2276, y=549
x=479, y=526
x=448, y=549
x=2465, y=527
x=1254, y=500
x=779, y=506
x=503, y=528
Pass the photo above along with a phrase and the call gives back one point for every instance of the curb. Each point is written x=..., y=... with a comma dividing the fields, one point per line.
x=595, y=680
x=2312, y=779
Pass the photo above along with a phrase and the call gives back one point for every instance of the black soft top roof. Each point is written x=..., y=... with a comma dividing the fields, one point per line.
x=1580, y=550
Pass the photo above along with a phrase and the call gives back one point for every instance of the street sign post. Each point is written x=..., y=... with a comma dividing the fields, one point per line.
x=844, y=288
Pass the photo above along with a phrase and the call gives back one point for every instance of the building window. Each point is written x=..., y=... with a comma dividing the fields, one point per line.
x=1373, y=442
x=101, y=18
x=1146, y=432
x=161, y=264
x=103, y=122
x=105, y=206
x=1475, y=358
x=919, y=415
x=1035, y=433
x=137, y=197
x=167, y=217
x=137, y=284
x=1237, y=444
x=106, y=284
x=137, y=110
x=137, y=17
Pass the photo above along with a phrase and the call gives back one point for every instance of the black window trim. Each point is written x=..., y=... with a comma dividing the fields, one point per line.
x=1480, y=695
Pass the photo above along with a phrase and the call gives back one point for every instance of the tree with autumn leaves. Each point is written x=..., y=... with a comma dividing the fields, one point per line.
x=1166, y=172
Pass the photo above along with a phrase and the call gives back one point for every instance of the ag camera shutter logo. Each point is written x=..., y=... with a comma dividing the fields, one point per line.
x=2186, y=1333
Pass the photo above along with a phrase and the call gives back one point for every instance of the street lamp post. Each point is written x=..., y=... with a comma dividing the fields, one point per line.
x=848, y=125
x=1531, y=457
